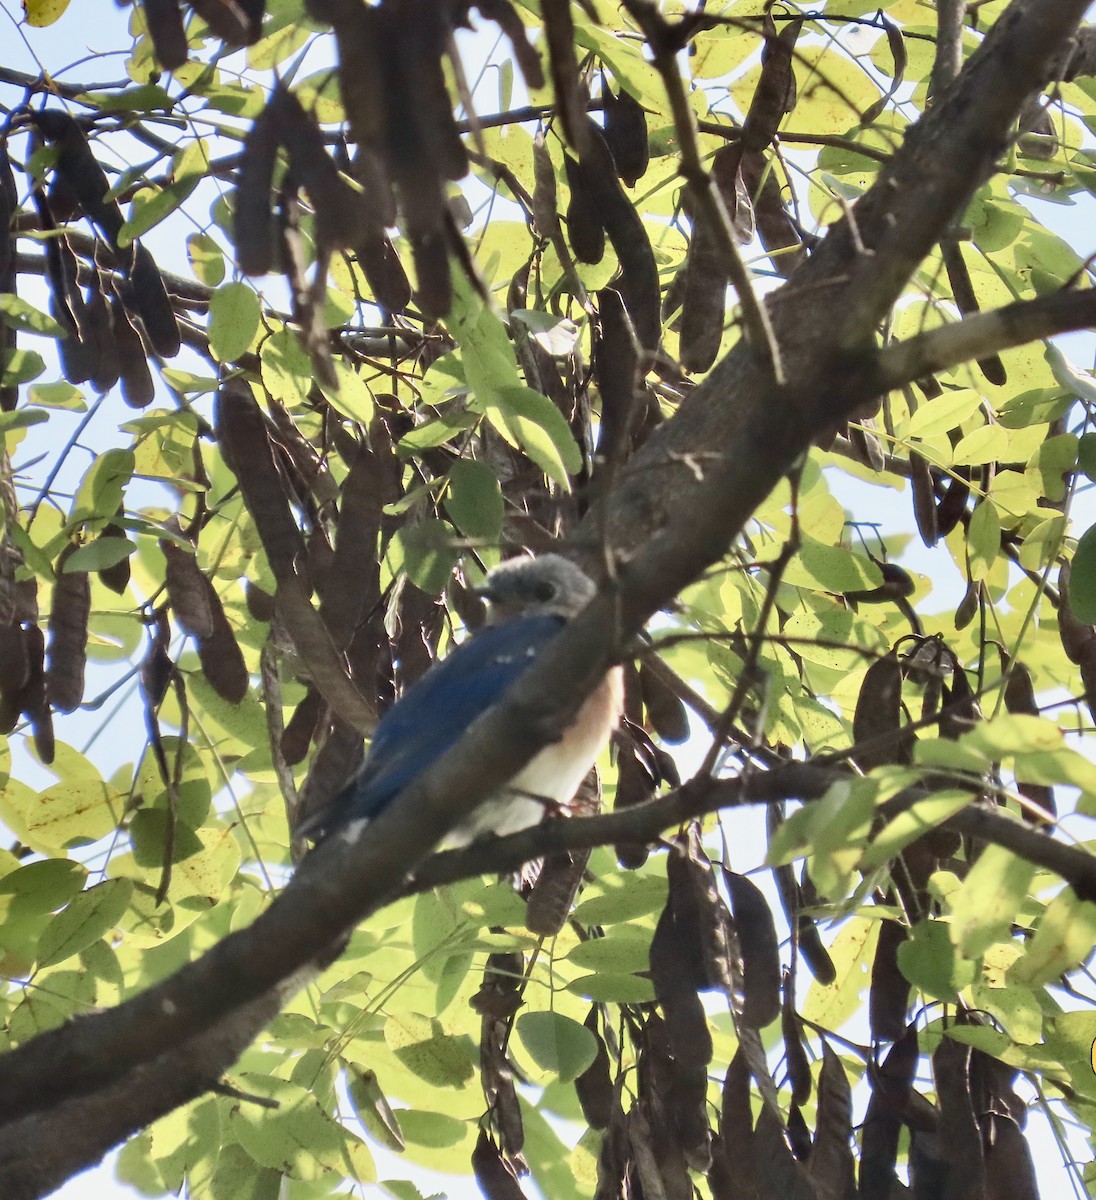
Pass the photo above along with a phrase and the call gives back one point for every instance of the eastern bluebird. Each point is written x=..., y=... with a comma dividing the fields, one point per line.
x=530, y=601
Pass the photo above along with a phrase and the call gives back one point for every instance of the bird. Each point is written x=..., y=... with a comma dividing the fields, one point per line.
x=530, y=600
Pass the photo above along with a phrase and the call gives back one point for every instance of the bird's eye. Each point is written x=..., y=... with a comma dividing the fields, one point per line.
x=545, y=591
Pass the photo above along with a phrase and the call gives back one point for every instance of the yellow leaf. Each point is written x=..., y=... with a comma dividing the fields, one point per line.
x=41, y=13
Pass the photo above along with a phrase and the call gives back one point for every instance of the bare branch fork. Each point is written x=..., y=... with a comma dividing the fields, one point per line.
x=109, y=1073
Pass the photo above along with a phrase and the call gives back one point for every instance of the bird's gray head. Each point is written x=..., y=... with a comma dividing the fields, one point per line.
x=529, y=587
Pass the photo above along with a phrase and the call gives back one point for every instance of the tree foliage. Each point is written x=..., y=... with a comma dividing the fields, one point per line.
x=700, y=296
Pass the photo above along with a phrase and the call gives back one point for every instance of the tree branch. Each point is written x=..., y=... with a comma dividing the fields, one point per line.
x=981, y=334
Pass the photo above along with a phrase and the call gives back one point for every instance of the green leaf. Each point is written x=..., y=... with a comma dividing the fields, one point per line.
x=104, y=552
x=57, y=395
x=298, y=1137
x=40, y=887
x=533, y=422
x=17, y=313
x=234, y=313
x=983, y=539
x=66, y=814
x=351, y=397
x=983, y=909
x=929, y=961
x=831, y=568
x=1063, y=938
x=286, y=368
x=474, y=500
x=85, y=919
x=207, y=260
x=428, y=553
x=22, y=418
x=1082, y=578
x=101, y=490
x=944, y=413
x=624, y=950
x=557, y=1043
x=609, y=987
x=623, y=898
x=913, y=823
x=151, y=206
x=427, y=1051
x=21, y=366
x=1086, y=455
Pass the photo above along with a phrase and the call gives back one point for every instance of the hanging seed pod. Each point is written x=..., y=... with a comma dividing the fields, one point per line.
x=33, y=700
x=506, y=17
x=704, y=300
x=594, y=1087
x=226, y=19
x=341, y=213
x=77, y=165
x=70, y=611
x=101, y=336
x=776, y=228
x=569, y=93
x=113, y=538
x=242, y=435
x=584, y=226
x=924, y=499
x=383, y=271
x=878, y=716
x=799, y=1067
x=775, y=94
x=891, y=1084
x=138, y=386
x=665, y=710
x=831, y=1165
x=639, y=287
x=9, y=204
x=165, y=26
x=759, y=949
x=889, y=995
x=150, y=301
x=495, y=1176
x=253, y=224
x=626, y=133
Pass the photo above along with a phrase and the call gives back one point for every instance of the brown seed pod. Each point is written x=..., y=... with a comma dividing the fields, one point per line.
x=798, y=1065
x=253, y=223
x=831, y=1164
x=383, y=270
x=77, y=164
x=775, y=94
x=626, y=133
x=569, y=93
x=704, y=300
x=639, y=286
x=69, y=613
x=164, y=19
x=585, y=229
x=101, y=336
x=495, y=1176
x=594, y=1087
x=889, y=995
x=151, y=303
x=777, y=230
x=245, y=443
x=878, y=714
x=616, y=363
x=138, y=386
x=759, y=949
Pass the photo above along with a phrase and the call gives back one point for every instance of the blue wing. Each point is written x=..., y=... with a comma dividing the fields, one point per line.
x=431, y=716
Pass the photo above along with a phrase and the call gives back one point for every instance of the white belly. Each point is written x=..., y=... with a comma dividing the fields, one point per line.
x=552, y=778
